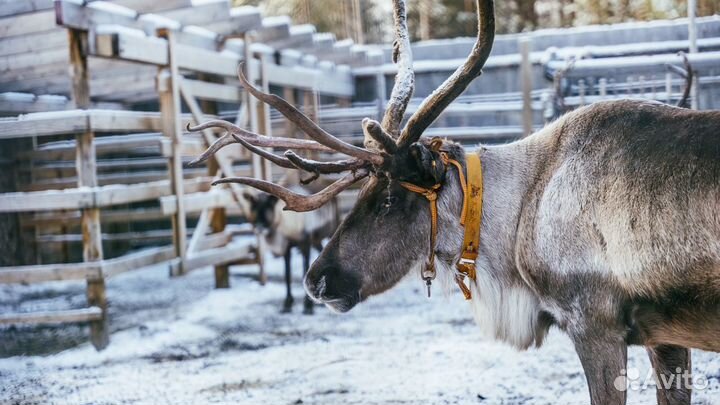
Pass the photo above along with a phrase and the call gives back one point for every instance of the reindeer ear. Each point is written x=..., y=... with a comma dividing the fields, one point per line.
x=248, y=196
x=272, y=199
x=428, y=162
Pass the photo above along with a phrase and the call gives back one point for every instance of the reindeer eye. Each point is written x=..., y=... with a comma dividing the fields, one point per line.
x=389, y=201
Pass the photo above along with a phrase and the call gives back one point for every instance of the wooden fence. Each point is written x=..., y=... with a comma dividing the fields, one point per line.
x=186, y=72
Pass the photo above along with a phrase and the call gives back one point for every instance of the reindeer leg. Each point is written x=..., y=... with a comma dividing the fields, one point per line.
x=672, y=368
x=287, y=305
x=308, y=305
x=603, y=354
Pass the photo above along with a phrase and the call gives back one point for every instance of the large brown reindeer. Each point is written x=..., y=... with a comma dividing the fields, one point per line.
x=605, y=223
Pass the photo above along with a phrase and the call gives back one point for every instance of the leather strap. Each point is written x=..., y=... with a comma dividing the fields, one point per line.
x=428, y=273
x=470, y=218
x=473, y=220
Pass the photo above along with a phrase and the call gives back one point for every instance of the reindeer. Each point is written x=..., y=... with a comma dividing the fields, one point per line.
x=604, y=223
x=283, y=230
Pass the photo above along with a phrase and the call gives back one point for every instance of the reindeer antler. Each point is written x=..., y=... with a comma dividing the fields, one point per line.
x=405, y=78
x=359, y=165
x=387, y=134
x=298, y=202
x=436, y=102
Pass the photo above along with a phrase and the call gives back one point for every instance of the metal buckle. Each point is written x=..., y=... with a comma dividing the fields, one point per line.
x=466, y=267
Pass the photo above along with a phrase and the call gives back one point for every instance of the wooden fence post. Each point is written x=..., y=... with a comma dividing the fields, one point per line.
x=257, y=164
x=264, y=112
x=169, y=95
x=219, y=215
x=289, y=95
x=86, y=167
x=526, y=78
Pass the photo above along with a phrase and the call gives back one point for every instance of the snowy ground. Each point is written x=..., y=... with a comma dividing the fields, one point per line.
x=181, y=342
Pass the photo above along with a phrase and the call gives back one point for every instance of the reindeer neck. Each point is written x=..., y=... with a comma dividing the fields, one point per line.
x=509, y=173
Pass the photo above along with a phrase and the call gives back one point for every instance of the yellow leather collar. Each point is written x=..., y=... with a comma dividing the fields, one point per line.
x=470, y=218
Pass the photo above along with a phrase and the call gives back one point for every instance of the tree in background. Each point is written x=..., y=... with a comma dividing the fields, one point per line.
x=369, y=21
x=360, y=20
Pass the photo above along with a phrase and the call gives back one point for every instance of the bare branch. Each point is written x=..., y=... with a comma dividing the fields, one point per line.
x=376, y=132
x=405, y=78
x=307, y=125
x=436, y=103
x=298, y=202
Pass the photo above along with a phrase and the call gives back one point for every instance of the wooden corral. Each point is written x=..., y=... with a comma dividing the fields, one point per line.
x=97, y=96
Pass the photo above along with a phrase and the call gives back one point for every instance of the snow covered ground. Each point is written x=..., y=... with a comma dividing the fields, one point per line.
x=179, y=341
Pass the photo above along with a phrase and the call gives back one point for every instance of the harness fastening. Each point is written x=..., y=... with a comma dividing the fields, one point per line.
x=470, y=219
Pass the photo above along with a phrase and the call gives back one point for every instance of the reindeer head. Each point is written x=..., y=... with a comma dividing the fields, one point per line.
x=387, y=232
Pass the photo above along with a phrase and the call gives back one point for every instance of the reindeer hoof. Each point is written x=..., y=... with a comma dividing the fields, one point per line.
x=309, y=308
x=287, y=306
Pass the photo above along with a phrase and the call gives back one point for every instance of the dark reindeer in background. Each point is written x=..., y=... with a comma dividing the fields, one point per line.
x=284, y=230
x=605, y=224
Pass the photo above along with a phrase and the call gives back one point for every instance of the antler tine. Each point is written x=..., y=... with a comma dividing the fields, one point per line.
x=228, y=126
x=688, y=82
x=405, y=78
x=314, y=166
x=253, y=139
x=376, y=132
x=307, y=126
x=434, y=104
x=298, y=202
x=278, y=160
x=293, y=161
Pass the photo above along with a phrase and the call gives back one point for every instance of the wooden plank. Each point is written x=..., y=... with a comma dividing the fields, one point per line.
x=526, y=78
x=265, y=125
x=15, y=7
x=222, y=157
x=87, y=178
x=339, y=83
x=77, y=15
x=242, y=19
x=196, y=202
x=232, y=253
x=33, y=43
x=27, y=23
x=134, y=261
x=20, y=103
x=169, y=90
x=25, y=61
x=207, y=61
x=53, y=317
x=49, y=272
x=273, y=29
x=200, y=230
x=207, y=12
x=107, y=180
x=103, y=196
x=213, y=91
x=218, y=224
x=217, y=216
x=149, y=50
x=46, y=200
x=106, y=217
x=74, y=121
